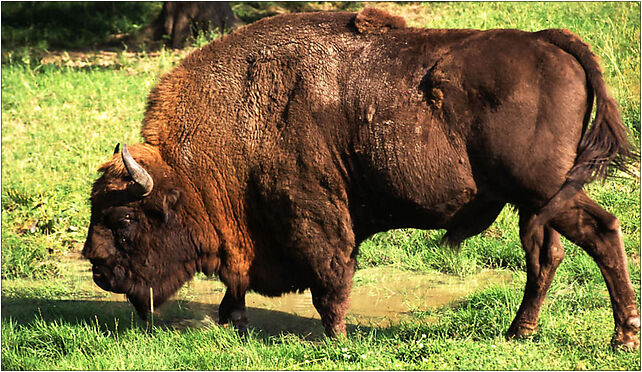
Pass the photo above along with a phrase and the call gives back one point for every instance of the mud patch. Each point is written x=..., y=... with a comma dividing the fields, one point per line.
x=380, y=297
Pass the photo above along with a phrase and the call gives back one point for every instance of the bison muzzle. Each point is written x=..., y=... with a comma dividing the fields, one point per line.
x=272, y=153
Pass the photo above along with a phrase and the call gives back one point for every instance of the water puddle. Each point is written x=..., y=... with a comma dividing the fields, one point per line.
x=380, y=297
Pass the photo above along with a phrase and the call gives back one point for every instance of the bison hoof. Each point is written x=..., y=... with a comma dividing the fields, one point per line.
x=239, y=320
x=336, y=331
x=241, y=329
x=520, y=332
x=626, y=337
x=628, y=344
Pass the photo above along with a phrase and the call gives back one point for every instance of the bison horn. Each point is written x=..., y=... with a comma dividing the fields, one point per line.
x=117, y=148
x=138, y=173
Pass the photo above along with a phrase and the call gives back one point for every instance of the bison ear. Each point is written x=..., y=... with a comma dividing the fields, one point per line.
x=170, y=200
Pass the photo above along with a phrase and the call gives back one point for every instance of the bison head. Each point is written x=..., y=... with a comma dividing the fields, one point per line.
x=137, y=239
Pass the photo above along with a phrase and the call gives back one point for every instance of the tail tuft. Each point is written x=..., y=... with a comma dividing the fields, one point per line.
x=605, y=145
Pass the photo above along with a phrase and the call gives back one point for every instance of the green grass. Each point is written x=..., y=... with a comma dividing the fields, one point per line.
x=61, y=120
x=466, y=336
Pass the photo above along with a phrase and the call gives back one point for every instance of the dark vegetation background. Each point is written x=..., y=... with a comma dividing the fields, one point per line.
x=79, y=25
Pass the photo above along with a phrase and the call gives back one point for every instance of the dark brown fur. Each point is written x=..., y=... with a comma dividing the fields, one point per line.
x=277, y=150
x=377, y=21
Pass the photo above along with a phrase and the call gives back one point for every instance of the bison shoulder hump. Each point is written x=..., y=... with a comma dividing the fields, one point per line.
x=376, y=21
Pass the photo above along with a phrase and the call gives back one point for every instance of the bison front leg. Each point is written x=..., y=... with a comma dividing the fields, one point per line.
x=322, y=242
x=232, y=308
x=331, y=294
x=544, y=253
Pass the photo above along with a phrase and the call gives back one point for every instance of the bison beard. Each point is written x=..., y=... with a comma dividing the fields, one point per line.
x=162, y=289
x=272, y=153
x=164, y=279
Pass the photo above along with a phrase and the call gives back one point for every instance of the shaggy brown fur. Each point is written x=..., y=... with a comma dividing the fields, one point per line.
x=275, y=151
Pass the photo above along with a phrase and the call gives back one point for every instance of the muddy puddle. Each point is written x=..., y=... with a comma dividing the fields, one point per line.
x=380, y=297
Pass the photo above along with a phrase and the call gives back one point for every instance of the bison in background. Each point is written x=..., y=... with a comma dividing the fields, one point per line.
x=272, y=153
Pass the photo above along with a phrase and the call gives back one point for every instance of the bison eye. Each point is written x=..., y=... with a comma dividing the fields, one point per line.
x=125, y=221
x=124, y=224
x=120, y=219
x=123, y=232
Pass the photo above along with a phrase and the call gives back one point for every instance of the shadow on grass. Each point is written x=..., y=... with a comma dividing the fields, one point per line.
x=119, y=316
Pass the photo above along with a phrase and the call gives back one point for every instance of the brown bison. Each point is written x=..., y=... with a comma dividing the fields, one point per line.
x=271, y=154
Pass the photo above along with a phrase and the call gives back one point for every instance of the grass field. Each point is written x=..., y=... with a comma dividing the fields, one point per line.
x=63, y=112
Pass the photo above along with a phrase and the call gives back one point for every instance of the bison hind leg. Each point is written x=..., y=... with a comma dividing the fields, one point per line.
x=544, y=253
x=598, y=232
x=472, y=219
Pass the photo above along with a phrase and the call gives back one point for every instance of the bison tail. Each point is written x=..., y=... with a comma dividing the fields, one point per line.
x=602, y=145
x=606, y=142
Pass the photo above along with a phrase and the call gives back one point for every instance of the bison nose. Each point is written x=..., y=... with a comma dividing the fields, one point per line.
x=91, y=253
x=94, y=247
x=100, y=278
x=97, y=262
x=88, y=248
